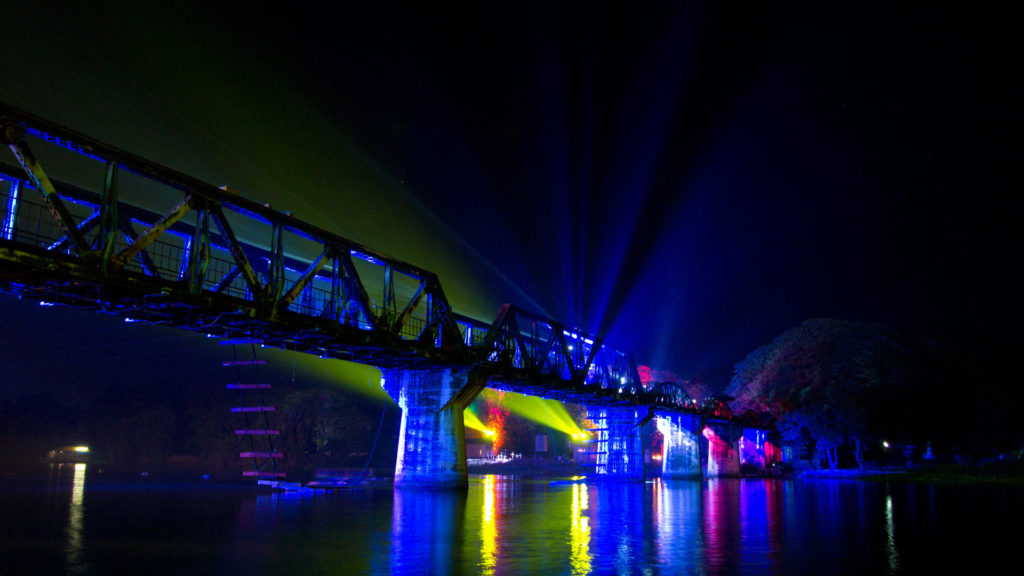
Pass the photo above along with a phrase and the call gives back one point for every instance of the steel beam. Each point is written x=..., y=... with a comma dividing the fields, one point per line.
x=108, y=217
x=304, y=280
x=241, y=260
x=146, y=238
x=14, y=137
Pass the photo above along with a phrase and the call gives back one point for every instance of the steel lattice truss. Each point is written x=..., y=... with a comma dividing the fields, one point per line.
x=121, y=234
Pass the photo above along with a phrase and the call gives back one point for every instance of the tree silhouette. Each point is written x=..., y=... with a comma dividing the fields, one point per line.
x=839, y=381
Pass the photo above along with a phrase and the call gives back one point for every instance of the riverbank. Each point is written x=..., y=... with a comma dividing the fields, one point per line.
x=530, y=468
x=997, y=472
x=1006, y=471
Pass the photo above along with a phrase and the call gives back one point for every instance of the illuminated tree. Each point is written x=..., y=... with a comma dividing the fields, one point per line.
x=646, y=375
x=496, y=423
x=496, y=415
x=697, y=389
x=839, y=381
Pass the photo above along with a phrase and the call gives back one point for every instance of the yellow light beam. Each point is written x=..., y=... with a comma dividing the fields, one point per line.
x=470, y=420
x=543, y=411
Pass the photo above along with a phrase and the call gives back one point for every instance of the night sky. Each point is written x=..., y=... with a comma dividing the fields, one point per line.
x=686, y=180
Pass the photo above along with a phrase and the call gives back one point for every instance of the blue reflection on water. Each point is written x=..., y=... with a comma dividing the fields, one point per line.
x=507, y=526
x=759, y=520
x=502, y=525
x=679, y=540
x=424, y=529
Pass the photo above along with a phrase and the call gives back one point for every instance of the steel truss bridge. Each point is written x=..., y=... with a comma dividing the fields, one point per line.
x=89, y=225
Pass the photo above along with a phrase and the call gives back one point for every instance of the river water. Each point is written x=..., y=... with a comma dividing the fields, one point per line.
x=80, y=523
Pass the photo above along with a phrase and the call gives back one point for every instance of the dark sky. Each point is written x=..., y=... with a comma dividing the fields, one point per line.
x=688, y=180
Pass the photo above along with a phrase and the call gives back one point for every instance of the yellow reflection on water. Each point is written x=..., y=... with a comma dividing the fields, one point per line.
x=579, y=531
x=76, y=517
x=488, y=529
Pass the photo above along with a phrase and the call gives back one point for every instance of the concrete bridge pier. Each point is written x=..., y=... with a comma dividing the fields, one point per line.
x=723, y=449
x=432, y=439
x=680, y=455
x=619, y=451
x=759, y=449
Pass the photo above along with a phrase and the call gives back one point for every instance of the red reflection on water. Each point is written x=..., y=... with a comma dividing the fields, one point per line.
x=722, y=541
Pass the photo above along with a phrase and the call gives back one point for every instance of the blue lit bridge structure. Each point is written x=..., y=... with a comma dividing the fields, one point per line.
x=122, y=235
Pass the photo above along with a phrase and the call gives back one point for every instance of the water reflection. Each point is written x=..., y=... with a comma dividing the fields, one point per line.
x=425, y=527
x=720, y=521
x=890, y=529
x=488, y=529
x=717, y=526
x=502, y=525
x=679, y=540
x=760, y=509
x=621, y=527
x=579, y=530
x=74, y=546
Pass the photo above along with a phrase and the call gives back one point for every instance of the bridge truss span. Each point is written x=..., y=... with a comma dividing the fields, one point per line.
x=122, y=234
x=538, y=356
